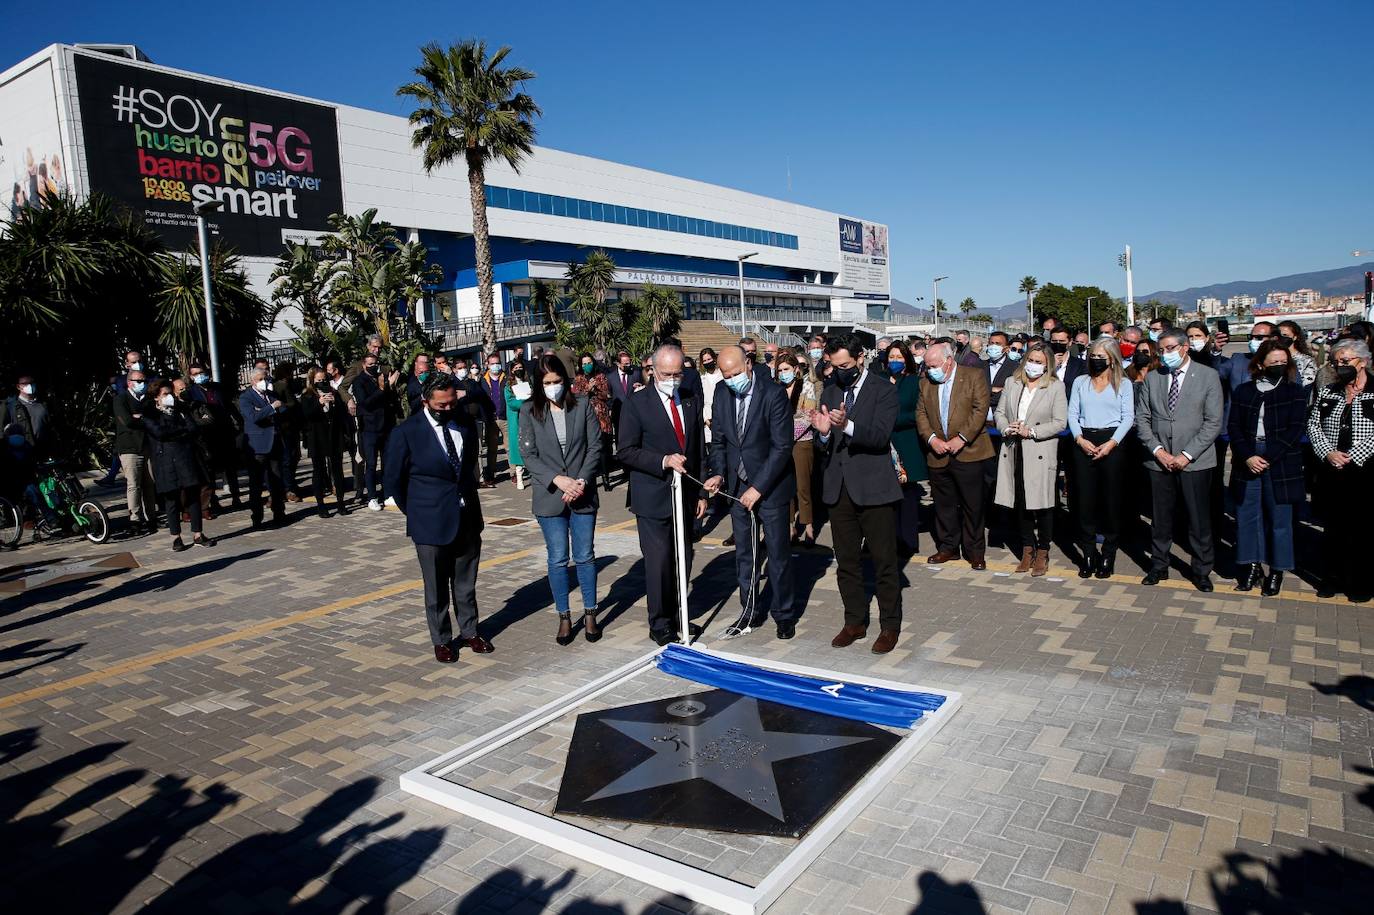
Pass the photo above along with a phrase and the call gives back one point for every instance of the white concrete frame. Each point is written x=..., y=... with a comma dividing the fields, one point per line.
x=668, y=875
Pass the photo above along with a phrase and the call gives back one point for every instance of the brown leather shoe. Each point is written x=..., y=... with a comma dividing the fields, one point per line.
x=477, y=644
x=445, y=654
x=1026, y=554
x=887, y=640
x=977, y=564
x=1042, y=563
x=936, y=559
x=848, y=636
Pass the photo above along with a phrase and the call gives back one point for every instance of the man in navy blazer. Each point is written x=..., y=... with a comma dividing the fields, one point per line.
x=263, y=446
x=661, y=431
x=751, y=455
x=431, y=472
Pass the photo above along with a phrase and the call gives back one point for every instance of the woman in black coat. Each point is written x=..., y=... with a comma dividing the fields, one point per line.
x=177, y=470
x=1267, y=424
x=325, y=415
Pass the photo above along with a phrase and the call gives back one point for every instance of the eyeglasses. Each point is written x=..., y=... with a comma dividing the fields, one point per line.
x=1260, y=337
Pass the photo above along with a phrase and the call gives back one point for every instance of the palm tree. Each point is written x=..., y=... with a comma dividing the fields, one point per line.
x=1027, y=288
x=544, y=301
x=657, y=315
x=471, y=107
x=968, y=307
x=301, y=279
x=590, y=283
x=241, y=317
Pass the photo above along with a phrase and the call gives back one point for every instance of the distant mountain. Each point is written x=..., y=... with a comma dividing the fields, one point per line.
x=1340, y=281
x=902, y=311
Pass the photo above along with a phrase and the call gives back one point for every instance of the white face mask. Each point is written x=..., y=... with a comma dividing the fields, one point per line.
x=136, y=367
x=1197, y=345
x=168, y=400
x=668, y=386
x=261, y=385
x=554, y=392
x=461, y=374
x=27, y=390
x=1034, y=370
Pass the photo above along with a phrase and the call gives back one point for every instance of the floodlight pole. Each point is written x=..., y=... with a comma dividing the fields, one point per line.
x=1125, y=261
x=209, y=206
x=743, y=332
x=936, y=302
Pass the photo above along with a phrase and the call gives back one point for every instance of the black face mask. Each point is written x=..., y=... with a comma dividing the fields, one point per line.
x=1141, y=358
x=1096, y=366
x=846, y=377
x=1346, y=374
x=1058, y=346
x=1285, y=342
x=1276, y=373
x=374, y=369
x=708, y=366
x=441, y=416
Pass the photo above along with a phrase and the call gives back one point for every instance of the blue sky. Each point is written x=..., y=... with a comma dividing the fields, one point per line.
x=1222, y=140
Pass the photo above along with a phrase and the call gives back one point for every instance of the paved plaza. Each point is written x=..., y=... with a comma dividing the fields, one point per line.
x=222, y=731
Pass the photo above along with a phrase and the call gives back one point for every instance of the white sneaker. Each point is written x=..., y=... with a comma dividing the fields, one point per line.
x=374, y=505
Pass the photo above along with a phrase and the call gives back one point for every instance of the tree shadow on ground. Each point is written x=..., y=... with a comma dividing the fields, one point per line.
x=161, y=580
x=1358, y=688
x=96, y=864
x=34, y=650
x=940, y=897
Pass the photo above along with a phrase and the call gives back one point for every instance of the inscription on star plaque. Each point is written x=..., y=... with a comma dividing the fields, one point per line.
x=716, y=760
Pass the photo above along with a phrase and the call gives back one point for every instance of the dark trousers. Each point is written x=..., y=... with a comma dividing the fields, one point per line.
x=449, y=572
x=1344, y=530
x=850, y=527
x=491, y=444
x=957, y=490
x=660, y=569
x=1099, y=490
x=372, y=445
x=326, y=469
x=909, y=517
x=175, y=501
x=775, y=524
x=1196, y=489
x=266, y=467
x=1036, y=525
x=291, y=459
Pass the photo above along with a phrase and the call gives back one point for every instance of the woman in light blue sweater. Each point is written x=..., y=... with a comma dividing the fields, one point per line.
x=1101, y=415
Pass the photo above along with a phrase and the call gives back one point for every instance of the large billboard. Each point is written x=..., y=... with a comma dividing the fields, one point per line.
x=162, y=143
x=863, y=259
x=32, y=164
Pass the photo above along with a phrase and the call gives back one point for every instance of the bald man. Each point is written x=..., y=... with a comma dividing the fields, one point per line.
x=751, y=460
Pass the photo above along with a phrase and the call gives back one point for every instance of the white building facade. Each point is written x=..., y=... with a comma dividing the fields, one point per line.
x=160, y=140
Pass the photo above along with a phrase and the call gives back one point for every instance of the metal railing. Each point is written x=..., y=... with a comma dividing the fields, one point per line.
x=729, y=316
x=779, y=337
x=466, y=333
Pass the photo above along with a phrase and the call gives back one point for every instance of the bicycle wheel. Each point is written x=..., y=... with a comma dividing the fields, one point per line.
x=11, y=525
x=95, y=523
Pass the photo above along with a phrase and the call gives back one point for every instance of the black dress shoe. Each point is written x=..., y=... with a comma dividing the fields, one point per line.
x=1155, y=576
x=1106, y=566
x=1203, y=583
x=1273, y=584
x=1087, y=565
x=729, y=541
x=1249, y=577
x=662, y=637
x=787, y=629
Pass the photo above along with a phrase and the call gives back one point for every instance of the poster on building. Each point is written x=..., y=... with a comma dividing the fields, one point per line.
x=32, y=162
x=863, y=258
x=161, y=143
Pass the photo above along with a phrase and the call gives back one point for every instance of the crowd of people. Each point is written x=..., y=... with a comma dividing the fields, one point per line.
x=1011, y=434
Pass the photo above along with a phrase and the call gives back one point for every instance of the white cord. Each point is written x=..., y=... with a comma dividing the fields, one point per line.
x=741, y=626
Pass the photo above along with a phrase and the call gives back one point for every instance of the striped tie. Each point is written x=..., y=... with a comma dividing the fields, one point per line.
x=1173, y=392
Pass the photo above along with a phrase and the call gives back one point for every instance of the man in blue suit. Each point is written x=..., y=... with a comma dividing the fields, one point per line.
x=752, y=457
x=265, y=450
x=431, y=472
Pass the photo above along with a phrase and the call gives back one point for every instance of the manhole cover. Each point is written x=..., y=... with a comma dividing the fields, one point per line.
x=508, y=522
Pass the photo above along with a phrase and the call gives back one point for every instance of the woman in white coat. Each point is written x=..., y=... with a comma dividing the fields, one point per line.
x=1031, y=413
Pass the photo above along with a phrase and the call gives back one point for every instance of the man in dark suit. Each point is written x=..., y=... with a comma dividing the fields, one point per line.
x=999, y=367
x=263, y=447
x=621, y=377
x=431, y=472
x=415, y=385
x=660, y=432
x=750, y=349
x=1178, y=418
x=854, y=434
x=751, y=455
x=1067, y=366
x=376, y=399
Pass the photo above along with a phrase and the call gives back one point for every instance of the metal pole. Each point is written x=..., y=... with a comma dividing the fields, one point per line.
x=680, y=557
x=1090, y=316
x=936, y=305
x=742, y=332
x=209, y=300
x=1130, y=290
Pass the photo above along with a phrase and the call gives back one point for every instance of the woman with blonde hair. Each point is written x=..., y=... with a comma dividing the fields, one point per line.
x=1101, y=414
x=1030, y=415
x=801, y=394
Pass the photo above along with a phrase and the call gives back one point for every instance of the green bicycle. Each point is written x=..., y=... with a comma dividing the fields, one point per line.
x=69, y=511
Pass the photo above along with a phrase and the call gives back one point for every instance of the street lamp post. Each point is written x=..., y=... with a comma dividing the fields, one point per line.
x=742, y=258
x=208, y=206
x=1125, y=261
x=935, y=303
x=1090, y=315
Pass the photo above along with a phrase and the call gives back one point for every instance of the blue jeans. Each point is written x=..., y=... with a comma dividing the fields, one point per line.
x=582, y=528
x=1264, y=529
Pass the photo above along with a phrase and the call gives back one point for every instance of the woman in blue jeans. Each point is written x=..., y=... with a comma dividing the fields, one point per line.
x=560, y=442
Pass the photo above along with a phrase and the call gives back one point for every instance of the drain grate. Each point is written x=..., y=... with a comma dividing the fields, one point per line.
x=508, y=522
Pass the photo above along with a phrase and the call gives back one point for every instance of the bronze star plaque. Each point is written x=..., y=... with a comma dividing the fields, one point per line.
x=716, y=760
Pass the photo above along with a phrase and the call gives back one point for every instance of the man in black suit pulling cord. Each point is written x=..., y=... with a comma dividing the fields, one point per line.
x=661, y=431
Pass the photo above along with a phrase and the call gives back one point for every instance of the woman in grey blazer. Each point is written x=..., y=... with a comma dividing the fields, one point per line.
x=1030, y=415
x=560, y=441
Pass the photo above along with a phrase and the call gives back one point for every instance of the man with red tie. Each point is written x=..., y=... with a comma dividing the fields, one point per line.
x=660, y=431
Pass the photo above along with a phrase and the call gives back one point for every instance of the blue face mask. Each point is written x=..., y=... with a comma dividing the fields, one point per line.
x=1171, y=360
x=815, y=352
x=16, y=441
x=936, y=375
x=896, y=366
x=994, y=351
x=787, y=377
x=1014, y=355
x=739, y=384
x=1154, y=336
x=200, y=379
x=1255, y=345
x=140, y=387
